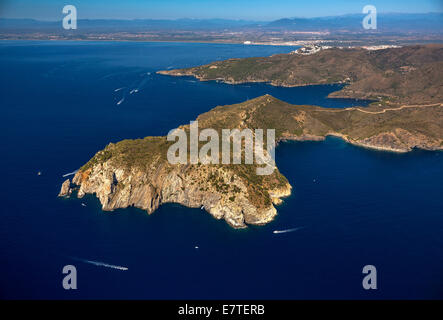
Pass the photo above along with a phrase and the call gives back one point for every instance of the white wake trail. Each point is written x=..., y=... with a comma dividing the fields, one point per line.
x=287, y=230
x=70, y=174
x=101, y=264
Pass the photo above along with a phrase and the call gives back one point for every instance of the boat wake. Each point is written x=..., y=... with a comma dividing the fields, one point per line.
x=101, y=264
x=287, y=230
x=70, y=174
x=142, y=84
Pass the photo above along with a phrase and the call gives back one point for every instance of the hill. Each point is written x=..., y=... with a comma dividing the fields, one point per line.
x=409, y=74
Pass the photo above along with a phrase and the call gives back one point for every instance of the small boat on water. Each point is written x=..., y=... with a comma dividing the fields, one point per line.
x=120, y=102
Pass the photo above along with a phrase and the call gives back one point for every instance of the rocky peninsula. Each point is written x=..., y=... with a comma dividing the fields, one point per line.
x=392, y=76
x=137, y=172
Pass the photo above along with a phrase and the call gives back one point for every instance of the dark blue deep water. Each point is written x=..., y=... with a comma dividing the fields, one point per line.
x=356, y=206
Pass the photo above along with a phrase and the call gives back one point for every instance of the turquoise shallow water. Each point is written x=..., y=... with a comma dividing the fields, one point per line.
x=353, y=206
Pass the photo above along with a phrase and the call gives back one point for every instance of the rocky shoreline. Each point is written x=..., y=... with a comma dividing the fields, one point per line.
x=189, y=186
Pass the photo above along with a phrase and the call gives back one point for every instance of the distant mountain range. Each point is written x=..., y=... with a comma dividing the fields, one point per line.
x=387, y=22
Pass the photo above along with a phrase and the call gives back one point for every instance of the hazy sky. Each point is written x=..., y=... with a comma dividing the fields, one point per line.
x=228, y=9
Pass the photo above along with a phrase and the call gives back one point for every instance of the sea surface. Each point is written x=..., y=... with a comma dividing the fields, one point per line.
x=351, y=207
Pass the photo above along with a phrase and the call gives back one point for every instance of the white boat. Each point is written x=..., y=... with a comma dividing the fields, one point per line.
x=118, y=103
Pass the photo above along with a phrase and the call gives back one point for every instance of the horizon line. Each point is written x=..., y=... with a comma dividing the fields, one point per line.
x=226, y=19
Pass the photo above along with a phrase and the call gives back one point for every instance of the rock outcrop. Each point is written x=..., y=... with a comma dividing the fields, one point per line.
x=65, y=190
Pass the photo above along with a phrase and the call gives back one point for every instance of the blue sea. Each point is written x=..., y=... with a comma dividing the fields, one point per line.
x=352, y=206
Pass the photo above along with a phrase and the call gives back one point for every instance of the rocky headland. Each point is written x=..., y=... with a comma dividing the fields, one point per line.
x=137, y=172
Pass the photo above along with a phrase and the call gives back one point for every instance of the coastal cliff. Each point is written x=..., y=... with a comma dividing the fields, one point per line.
x=223, y=192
